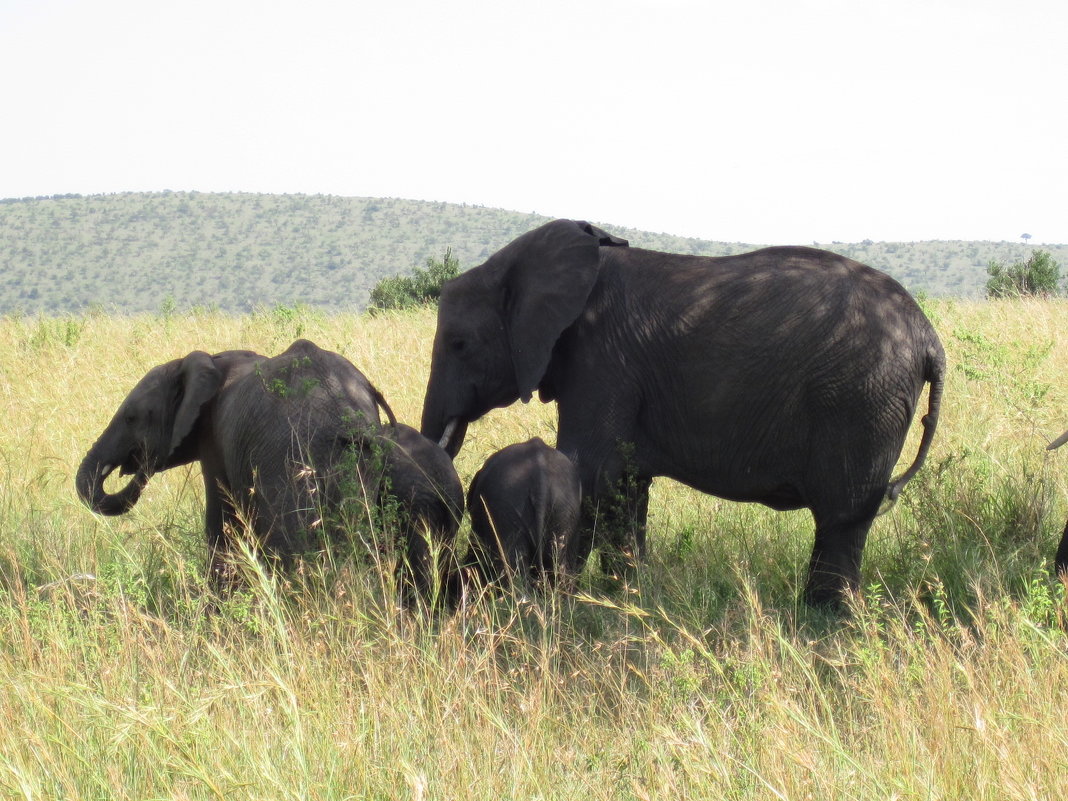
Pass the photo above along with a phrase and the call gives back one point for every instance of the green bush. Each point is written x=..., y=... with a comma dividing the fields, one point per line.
x=422, y=287
x=1039, y=275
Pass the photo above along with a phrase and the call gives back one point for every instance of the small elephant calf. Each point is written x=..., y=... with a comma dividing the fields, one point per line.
x=524, y=505
x=422, y=483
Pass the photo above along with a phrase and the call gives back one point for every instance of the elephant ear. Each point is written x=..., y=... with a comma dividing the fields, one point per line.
x=198, y=382
x=604, y=239
x=553, y=268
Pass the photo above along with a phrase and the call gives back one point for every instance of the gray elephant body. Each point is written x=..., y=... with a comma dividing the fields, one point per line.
x=524, y=504
x=787, y=376
x=282, y=442
x=429, y=501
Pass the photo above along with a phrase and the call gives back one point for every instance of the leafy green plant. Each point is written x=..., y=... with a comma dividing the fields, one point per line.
x=419, y=289
x=1039, y=275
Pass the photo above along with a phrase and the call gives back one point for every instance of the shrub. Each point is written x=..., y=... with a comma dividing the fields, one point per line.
x=1039, y=275
x=422, y=287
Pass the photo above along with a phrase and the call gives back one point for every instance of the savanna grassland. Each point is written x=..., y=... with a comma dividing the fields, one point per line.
x=702, y=677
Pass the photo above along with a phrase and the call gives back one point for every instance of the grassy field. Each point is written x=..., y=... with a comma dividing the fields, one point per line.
x=703, y=678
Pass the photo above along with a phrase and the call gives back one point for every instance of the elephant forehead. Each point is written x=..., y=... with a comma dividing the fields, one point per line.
x=477, y=284
x=157, y=379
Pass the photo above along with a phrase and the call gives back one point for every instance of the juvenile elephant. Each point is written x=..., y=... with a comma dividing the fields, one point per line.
x=788, y=376
x=524, y=504
x=1060, y=561
x=282, y=443
x=422, y=487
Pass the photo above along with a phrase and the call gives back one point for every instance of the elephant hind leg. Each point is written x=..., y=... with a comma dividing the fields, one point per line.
x=834, y=568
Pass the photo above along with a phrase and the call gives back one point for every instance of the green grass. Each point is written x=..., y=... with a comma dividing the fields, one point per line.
x=703, y=678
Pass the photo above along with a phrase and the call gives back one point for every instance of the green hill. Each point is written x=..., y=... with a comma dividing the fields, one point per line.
x=136, y=252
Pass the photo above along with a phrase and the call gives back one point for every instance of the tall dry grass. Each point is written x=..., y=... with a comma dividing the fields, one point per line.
x=703, y=678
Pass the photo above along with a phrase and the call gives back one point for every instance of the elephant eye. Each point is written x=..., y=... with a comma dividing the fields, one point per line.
x=457, y=345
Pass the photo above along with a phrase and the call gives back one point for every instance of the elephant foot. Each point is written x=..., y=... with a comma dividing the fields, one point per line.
x=829, y=594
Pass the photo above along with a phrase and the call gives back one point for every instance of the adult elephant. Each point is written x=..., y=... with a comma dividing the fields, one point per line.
x=282, y=443
x=787, y=376
x=1060, y=561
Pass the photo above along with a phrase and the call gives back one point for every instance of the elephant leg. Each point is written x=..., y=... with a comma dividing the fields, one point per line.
x=1060, y=563
x=613, y=519
x=624, y=527
x=834, y=568
x=415, y=569
x=221, y=520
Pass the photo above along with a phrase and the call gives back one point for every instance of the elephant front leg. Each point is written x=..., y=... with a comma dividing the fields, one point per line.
x=614, y=521
x=221, y=518
x=599, y=439
x=622, y=525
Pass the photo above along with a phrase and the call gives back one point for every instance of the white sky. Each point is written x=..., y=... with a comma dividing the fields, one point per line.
x=765, y=121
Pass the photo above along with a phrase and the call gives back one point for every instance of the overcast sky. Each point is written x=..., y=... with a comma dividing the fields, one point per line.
x=768, y=121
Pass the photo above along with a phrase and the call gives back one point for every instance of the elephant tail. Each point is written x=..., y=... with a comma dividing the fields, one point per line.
x=381, y=401
x=934, y=374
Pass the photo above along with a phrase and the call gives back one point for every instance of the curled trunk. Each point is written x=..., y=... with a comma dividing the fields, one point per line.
x=90, y=485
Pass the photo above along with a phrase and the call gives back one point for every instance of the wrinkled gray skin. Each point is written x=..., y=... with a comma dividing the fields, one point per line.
x=524, y=504
x=280, y=442
x=1060, y=561
x=788, y=376
x=429, y=499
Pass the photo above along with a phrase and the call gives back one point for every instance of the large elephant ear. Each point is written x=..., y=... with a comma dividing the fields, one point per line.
x=199, y=380
x=553, y=268
x=604, y=239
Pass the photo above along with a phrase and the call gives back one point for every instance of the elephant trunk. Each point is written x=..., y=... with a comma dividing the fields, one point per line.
x=90, y=485
x=440, y=423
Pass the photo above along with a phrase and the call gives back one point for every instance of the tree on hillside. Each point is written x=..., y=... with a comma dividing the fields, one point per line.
x=1039, y=275
x=418, y=289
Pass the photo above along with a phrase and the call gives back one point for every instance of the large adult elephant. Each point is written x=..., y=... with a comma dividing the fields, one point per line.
x=787, y=376
x=282, y=443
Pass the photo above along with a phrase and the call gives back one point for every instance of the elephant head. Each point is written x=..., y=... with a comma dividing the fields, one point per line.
x=498, y=323
x=149, y=432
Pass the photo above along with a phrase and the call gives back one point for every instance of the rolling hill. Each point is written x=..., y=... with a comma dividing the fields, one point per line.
x=140, y=252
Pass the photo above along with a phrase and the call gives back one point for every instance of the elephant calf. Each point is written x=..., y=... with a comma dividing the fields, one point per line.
x=288, y=446
x=524, y=504
x=422, y=487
